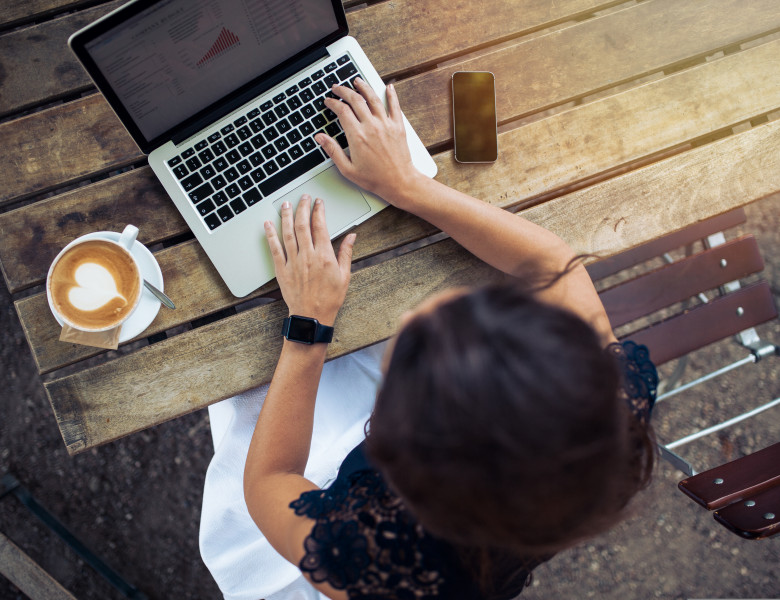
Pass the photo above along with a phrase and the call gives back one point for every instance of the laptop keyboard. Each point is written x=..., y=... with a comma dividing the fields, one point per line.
x=263, y=150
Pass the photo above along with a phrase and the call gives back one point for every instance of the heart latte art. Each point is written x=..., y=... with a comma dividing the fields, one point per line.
x=95, y=285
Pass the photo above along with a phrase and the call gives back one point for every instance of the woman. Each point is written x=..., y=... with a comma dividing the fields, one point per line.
x=510, y=424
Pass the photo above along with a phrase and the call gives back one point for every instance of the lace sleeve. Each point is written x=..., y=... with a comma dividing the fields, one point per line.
x=638, y=377
x=366, y=542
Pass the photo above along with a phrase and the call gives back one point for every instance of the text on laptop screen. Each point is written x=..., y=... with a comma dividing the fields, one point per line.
x=180, y=56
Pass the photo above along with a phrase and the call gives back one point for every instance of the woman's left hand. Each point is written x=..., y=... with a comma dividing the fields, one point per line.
x=313, y=280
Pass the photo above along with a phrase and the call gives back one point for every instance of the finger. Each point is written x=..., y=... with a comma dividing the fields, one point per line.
x=332, y=149
x=319, y=227
x=355, y=100
x=275, y=245
x=343, y=110
x=373, y=101
x=345, y=254
x=288, y=232
x=393, y=105
x=303, y=224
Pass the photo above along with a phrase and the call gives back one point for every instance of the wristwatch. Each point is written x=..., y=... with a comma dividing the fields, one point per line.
x=306, y=330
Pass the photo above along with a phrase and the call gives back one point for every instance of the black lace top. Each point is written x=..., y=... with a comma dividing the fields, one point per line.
x=366, y=541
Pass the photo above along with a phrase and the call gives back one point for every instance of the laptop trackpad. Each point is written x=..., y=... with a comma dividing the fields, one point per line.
x=344, y=204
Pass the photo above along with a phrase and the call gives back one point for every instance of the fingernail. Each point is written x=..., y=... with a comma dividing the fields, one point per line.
x=318, y=201
x=286, y=204
x=391, y=87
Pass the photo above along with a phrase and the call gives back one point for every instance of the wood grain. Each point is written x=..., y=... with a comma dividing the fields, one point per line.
x=36, y=65
x=39, y=68
x=609, y=49
x=545, y=155
x=538, y=158
x=587, y=57
x=391, y=31
x=61, y=145
x=186, y=372
x=103, y=403
x=28, y=575
x=19, y=11
x=31, y=237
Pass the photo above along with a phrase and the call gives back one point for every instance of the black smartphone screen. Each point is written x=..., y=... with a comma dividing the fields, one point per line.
x=474, y=116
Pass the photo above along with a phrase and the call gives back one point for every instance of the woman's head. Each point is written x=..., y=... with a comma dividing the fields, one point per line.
x=499, y=423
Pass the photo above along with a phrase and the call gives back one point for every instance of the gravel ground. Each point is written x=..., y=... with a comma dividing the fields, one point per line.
x=136, y=501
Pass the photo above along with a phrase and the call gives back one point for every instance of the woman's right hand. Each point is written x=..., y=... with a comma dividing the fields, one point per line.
x=379, y=159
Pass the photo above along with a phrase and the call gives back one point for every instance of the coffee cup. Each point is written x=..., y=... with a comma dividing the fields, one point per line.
x=94, y=284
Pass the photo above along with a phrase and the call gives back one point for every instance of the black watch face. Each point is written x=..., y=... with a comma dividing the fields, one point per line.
x=302, y=330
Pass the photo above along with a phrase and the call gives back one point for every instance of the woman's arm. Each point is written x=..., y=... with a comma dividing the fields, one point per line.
x=380, y=162
x=314, y=282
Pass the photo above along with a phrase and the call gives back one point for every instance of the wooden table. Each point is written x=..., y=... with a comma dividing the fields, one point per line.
x=619, y=122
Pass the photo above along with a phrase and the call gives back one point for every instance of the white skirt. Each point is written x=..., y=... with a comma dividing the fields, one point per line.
x=240, y=559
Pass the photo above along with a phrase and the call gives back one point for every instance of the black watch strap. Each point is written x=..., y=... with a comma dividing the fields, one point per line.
x=306, y=330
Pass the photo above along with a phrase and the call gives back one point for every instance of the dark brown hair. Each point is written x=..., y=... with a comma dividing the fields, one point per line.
x=500, y=424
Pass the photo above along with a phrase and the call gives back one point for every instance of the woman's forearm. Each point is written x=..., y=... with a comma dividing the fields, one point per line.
x=507, y=242
x=282, y=437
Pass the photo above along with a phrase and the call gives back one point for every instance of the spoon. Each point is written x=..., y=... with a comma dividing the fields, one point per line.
x=160, y=296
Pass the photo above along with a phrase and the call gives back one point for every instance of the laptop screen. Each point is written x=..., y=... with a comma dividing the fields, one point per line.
x=175, y=58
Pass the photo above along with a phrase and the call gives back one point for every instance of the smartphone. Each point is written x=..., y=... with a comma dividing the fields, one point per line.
x=474, y=116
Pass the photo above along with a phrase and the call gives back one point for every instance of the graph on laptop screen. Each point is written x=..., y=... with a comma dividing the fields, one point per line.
x=159, y=61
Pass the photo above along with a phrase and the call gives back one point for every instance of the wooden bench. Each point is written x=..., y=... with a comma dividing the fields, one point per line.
x=744, y=493
x=612, y=146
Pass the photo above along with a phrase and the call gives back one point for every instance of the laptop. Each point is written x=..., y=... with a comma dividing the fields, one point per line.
x=225, y=97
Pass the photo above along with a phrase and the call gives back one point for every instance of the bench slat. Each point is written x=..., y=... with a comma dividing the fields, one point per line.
x=552, y=153
x=19, y=11
x=743, y=477
x=62, y=145
x=553, y=73
x=38, y=65
x=188, y=374
x=681, y=280
x=586, y=219
x=752, y=522
x=635, y=256
x=596, y=220
x=28, y=575
x=48, y=71
x=429, y=98
x=708, y=323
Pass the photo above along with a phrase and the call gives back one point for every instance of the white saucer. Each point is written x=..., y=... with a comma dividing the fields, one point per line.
x=149, y=306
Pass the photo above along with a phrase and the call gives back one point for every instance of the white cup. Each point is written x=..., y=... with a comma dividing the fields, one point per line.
x=125, y=242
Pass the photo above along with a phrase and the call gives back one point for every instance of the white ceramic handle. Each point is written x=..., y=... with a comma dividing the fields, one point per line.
x=127, y=239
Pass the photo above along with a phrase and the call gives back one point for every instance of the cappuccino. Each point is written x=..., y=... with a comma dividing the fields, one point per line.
x=94, y=285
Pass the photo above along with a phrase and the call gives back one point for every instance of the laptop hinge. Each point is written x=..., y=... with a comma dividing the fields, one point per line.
x=258, y=89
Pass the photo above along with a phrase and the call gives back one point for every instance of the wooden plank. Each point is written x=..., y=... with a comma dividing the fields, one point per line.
x=635, y=256
x=542, y=83
x=16, y=12
x=45, y=70
x=681, y=280
x=31, y=237
x=38, y=67
x=28, y=575
x=741, y=478
x=666, y=196
x=105, y=402
x=707, y=323
x=556, y=145
x=392, y=30
x=550, y=154
x=61, y=145
x=587, y=57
